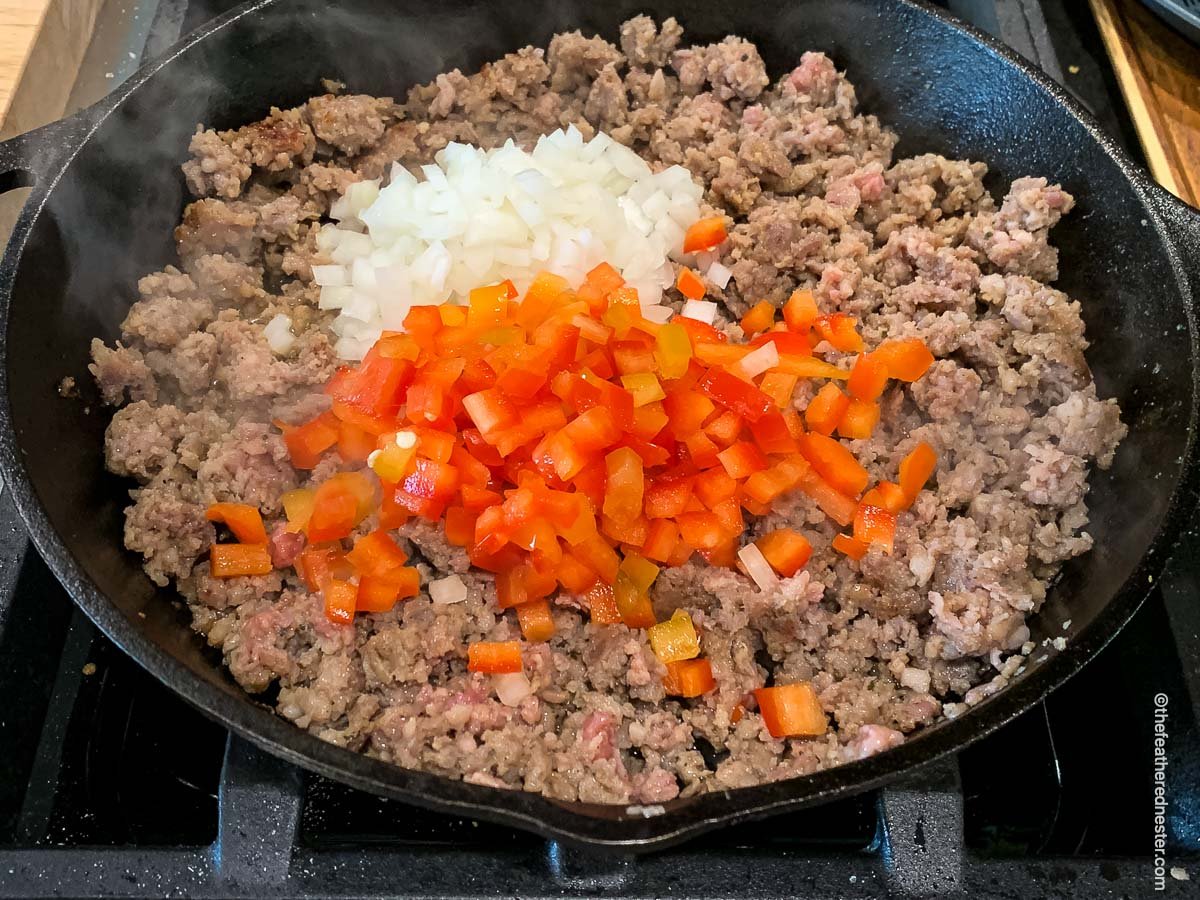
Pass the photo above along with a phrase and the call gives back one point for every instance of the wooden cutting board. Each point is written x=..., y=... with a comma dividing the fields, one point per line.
x=1159, y=73
x=42, y=43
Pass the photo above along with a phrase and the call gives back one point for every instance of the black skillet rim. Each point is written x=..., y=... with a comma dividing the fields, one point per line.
x=593, y=825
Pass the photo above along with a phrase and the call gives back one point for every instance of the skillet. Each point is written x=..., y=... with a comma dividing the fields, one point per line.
x=107, y=193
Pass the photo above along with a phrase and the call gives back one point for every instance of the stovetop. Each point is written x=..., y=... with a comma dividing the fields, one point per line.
x=111, y=785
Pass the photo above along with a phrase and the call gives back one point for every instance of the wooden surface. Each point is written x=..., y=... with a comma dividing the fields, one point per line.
x=41, y=45
x=1159, y=74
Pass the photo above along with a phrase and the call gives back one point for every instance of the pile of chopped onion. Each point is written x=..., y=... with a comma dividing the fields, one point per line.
x=480, y=217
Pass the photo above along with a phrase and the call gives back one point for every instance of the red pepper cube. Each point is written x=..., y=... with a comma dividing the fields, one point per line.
x=868, y=378
x=742, y=460
x=772, y=434
x=727, y=390
x=800, y=311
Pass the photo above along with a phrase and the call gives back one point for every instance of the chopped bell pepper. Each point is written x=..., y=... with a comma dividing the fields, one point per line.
x=376, y=553
x=915, y=470
x=305, y=443
x=672, y=350
x=834, y=463
x=741, y=460
x=644, y=388
x=800, y=311
x=780, y=387
x=602, y=604
x=231, y=560
x=704, y=234
x=298, y=507
x=786, y=550
x=242, y=519
x=729, y=391
x=760, y=317
x=661, y=540
x=859, y=420
x=689, y=678
x=791, y=710
x=675, y=639
x=850, y=546
x=689, y=284
x=888, y=495
x=868, y=378
x=875, y=525
x=634, y=604
x=494, y=657
x=906, y=359
x=537, y=625
x=379, y=593
x=341, y=601
x=839, y=330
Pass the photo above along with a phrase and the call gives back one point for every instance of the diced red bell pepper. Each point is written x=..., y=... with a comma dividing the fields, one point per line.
x=742, y=460
x=800, y=311
x=850, y=546
x=578, y=442
x=354, y=443
x=838, y=329
x=376, y=553
x=686, y=411
x=785, y=342
x=729, y=391
x=868, y=378
x=786, y=550
x=490, y=410
x=667, y=497
x=231, y=560
x=724, y=428
x=460, y=526
x=689, y=284
x=888, y=495
x=834, y=463
x=661, y=540
x=689, y=678
x=786, y=475
x=714, y=485
x=542, y=298
x=649, y=421
x=826, y=409
x=494, y=657
x=602, y=604
x=915, y=470
x=597, y=555
x=906, y=359
x=431, y=480
x=780, y=387
x=335, y=512
x=702, y=451
x=306, y=443
x=760, y=317
x=242, y=519
x=772, y=434
x=700, y=332
x=379, y=593
x=574, y=576
x=423, y=323
x=704, y=234
x=875, y=525
x=372, y=391
x=701, y=530
x=832, y=502
x=341, y=601
x=631, y=533
x=791, y=710
x=859, y=420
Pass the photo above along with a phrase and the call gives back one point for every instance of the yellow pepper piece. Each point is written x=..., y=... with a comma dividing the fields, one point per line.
x=673, y=350
x=639, y=570
x=808, y=367
x=298, y=507
x=487, y=306
x=500, y=335
x=392, y=463
x=675, y=639
x=644, y=386
x=625, y=486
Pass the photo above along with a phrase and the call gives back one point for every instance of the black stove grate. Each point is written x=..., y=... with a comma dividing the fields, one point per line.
x=110, y=785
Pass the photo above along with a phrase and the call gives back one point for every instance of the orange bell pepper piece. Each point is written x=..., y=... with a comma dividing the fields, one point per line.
x=341, y=600
x=875, y=525
x=839, y=330
x=306, y=443
x=243, y=520
x=689, y=284
x=906, y=359
x=834, y=463
x=859, y=420
x=786, y=550
x=689, y=678
x=376, y=553
x=602, y=604
x=379, y=593
x=760, y=317
x=537, y=625
x=704, y=234
x=915, y=470
x=231, y=560
x=800, y=311
x=791, y=710
x=850, y=546
x=868, y=378
x=494, y=657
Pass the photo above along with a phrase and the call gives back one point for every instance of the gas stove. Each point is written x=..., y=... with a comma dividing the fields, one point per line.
x=111, y=785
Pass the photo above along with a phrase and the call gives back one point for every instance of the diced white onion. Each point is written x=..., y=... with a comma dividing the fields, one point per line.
x=278, y=333
x=659, y=314
x=406, y=440
x=701, y=310
x=758, y=361
x=445, y=591
x=476, y=217
x=512, y=687
x=758, y=568
x=718, y=275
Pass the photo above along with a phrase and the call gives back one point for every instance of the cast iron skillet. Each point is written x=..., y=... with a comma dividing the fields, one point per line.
x=108, y=192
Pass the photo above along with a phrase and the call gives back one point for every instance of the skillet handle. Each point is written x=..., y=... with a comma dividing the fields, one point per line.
x=39, y=154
